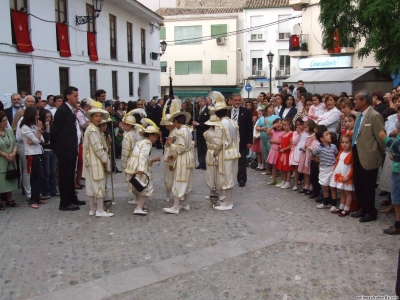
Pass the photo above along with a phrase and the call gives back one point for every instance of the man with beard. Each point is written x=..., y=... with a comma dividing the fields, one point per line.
x=15, y=106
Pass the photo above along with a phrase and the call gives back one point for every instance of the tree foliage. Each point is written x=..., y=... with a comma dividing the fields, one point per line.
x=375, y=22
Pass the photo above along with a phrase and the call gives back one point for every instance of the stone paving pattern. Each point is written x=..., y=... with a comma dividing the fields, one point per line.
x=274, y=244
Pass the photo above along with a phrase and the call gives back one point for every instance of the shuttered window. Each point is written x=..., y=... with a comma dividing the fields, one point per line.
x=219, y=67
x=188, y=67
x=163, y=34
x=187, y=35
x=219, y=30
x=163, y=66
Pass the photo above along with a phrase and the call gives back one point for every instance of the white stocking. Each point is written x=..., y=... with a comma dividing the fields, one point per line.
x=91, y=202
x=100, y=208
x=186, y=200
x=176, y=203
x=228, y=197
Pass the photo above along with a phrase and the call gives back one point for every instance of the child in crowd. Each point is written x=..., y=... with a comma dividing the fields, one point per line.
x=256, y=148
x=298, y=141
x=282, y=163
x=275, y=131
x=349, y=121
x=317, y=109
x=346, y=108
x=304, y=160
x=327, y=154
x=314, y=168
x=343, y=177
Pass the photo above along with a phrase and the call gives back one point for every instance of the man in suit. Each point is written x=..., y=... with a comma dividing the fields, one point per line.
x=15, y=106
x=64, y=138
x=157, y=119
x=242, y=116
x=201, y=116
x=368, y=150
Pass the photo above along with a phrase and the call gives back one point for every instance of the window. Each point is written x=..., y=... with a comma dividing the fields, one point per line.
x=24, y=78
x=61, y=10
x=219, y=31
x=93, y=83
x=219, y=67
x=187, y=35
x=130, y=83
x=163, y=66
x=143, y=45
x=284, y=29
x=92, y=23
x=64, y=79
x=16, y=4
x=113, y=37
x=129, y=41
x=163, y=34
x=256, y=63
x=188, y=67
x=284, y=63
x=257, y=33
x=114, y=84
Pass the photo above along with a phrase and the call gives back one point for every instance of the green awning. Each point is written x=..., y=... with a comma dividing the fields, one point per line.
x=233, y=89
x=190, y=94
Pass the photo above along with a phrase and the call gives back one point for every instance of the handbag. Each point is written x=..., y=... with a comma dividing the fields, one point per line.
x=12, y=174
x=139, y=185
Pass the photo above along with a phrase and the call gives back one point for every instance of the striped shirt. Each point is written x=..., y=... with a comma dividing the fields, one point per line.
x=327, y=154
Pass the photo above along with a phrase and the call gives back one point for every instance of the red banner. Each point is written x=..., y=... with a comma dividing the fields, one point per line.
x=91, y=37
x=63, y=41
x=21, y=30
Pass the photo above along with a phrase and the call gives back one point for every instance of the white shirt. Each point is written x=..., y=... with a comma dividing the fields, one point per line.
x=364, y=113
x=330, y=119
x=285, y=112
x=30, y=133
x=277, y=109
x=237, y=114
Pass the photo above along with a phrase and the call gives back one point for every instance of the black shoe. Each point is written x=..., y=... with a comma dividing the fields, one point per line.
x=358, y=214
x=69, y=208
x=79, y=202
x=118, y=171
x=204, y=168
x=199, y=167
x=303, y=191
x=242, y=183
x=56, y=194
x=391, y=231
x=308, y=193
x=313, y=195
x=383, y=193
x=367, y=218
x=318, y=199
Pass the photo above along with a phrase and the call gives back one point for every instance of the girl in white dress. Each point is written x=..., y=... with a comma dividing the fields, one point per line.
x=343, y=177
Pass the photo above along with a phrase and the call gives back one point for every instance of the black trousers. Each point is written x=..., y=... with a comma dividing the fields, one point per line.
x=398, y=277
x=314, y=174
x=66, y=179
x=36, y=178
x=364, y=185
x=242, y=171
x=201, y=149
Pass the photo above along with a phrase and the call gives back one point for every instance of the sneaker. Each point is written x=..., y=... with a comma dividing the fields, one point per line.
x=133, y=202
x=323, y=205
x=295, y=188
x=167, y=199
x=333, y=208
x=171, y=210
x=139, y=212
x=207, y=197
x=92, y=212
x=229, y=207
x=104, y=214
x=184, y=207
x=280, y=184
x=273, y=182
x=286, y=185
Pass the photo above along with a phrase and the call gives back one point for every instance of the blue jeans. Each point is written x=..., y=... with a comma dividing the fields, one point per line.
x=49, y=167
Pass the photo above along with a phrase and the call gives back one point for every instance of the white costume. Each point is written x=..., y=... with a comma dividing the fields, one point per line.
x=226, y=144
x=211, y=162
x=131, y=138
x=182, y=150
x=168, y=174
x=94, y=158
x=139, y=161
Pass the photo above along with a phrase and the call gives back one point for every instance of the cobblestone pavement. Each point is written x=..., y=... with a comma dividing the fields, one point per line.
x=274, y=245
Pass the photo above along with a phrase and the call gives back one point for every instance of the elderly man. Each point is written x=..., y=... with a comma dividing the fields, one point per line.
x=242, y=116
x=15, y=106
x=201, y=117
x=368, y=150
x=29, y=101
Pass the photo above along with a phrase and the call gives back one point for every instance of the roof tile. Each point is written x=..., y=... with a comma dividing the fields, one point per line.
x=196, y=11
x=266, y=3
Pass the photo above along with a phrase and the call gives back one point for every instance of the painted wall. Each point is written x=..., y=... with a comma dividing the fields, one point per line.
x=45, y=60
x=156, y=4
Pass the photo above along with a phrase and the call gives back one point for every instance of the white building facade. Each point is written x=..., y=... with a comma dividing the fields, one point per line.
x=126, y=32
x=260, y=41
x=202, y=55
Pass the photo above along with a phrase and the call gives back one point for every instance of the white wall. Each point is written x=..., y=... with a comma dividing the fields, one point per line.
x=156, y=4
x=45, y=60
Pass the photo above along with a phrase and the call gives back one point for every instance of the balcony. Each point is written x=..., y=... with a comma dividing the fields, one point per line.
x=298, y=45
x=283, y=72
x=298, y=4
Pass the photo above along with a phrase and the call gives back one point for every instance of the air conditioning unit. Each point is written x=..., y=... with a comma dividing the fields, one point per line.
x=260, y=73
x=221, y=40
x=279, y=73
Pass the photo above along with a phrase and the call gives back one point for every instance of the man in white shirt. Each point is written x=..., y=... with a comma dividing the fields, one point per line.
x=58, y=100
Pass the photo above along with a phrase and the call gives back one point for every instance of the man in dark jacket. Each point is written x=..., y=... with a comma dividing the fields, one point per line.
x=201, y=116
x=157, y=119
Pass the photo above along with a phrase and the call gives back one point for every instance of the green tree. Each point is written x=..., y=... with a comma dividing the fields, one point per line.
x=376, y=21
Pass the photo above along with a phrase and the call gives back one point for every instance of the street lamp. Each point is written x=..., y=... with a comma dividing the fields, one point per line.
x=97, y=7
x=270, y=57
x=163, y=46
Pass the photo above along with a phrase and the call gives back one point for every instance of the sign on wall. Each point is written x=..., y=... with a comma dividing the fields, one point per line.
x=325, y=62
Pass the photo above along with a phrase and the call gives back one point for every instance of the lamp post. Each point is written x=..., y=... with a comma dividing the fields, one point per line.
x=97, y=7
x=270, y=57
x=163, y=46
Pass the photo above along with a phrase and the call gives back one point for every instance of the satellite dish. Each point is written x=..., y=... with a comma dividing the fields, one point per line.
x=296, y=29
